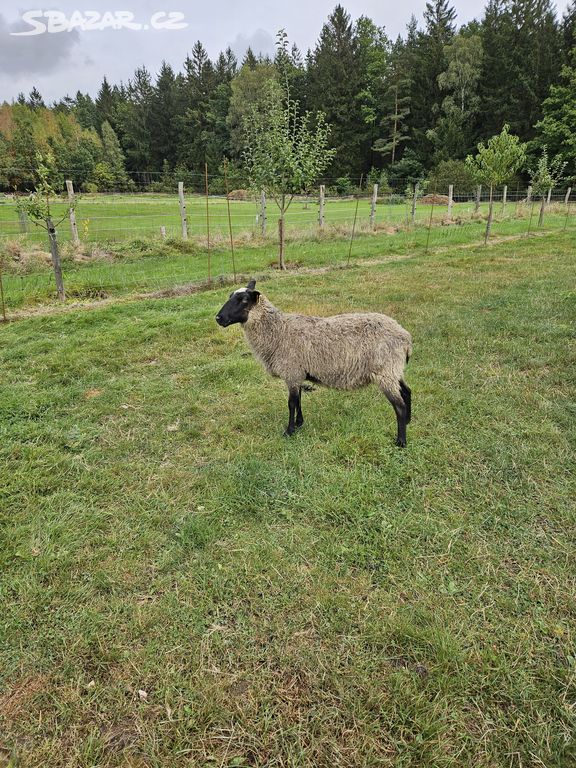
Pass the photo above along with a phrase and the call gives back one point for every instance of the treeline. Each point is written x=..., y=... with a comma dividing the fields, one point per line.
x=404, y=109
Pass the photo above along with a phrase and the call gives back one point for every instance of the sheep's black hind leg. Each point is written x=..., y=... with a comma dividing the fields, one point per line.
x=406, y=393
x=400, y=401
x=299, y=417
x=293, y=407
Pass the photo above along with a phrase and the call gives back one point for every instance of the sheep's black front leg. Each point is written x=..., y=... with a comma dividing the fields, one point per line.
x=293, y=408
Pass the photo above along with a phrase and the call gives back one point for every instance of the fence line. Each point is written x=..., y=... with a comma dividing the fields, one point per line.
x=91, y=266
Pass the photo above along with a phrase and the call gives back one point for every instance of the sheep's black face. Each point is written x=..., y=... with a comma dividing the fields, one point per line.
x=238, y=306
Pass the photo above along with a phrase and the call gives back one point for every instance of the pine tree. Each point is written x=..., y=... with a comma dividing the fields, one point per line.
x=452, y=135
x=335, y=79
x=114, y=159
x=569, y=31
x=163, y=107
x=428, y=61
x=522, y=45
x=557, y=128
x=396, y=103
x=134, y=120
x=249, y=60
x=35, y=100
x=106, y=103
x=85, y=111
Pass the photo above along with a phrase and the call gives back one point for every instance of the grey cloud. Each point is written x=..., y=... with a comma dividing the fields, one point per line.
x=260, y=41
x=38, y=54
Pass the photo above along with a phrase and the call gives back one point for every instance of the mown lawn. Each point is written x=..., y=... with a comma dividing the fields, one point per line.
x=182, y=586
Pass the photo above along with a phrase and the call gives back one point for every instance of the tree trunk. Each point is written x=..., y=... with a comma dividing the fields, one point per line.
x=55, y=259
x=542, y=206
x=489, y=222
x=281, y=263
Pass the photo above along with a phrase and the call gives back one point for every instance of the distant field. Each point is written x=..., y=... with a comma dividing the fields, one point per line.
x=182, y=587
x=117, y=217
x=122, y=251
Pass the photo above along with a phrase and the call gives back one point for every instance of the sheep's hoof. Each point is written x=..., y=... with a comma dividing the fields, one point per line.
x=289, y=432
x=401, y=443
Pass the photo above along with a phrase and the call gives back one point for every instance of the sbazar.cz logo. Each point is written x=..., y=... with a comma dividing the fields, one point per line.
x=42, y=22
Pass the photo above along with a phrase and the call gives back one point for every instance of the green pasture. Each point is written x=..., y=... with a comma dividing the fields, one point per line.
x=182, y=586
x=103, y=218
x=145, y=262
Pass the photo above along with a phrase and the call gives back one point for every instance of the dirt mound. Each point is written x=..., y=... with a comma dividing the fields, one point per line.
x=239, y=194
x=435, y=200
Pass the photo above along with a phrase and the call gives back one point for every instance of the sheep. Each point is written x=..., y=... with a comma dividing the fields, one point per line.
x=343, y=351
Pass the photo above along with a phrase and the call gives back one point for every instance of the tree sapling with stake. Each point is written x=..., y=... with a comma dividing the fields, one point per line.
x=496, y=163
x=37, y=208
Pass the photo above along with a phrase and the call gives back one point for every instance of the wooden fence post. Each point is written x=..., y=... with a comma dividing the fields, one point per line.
x=208, y=226
x=5, y=319
x=183, y=210
x=504, y=197
x=55, y=259
x=478, y=196
x=71, y=212
x=568, y=193
x=263, y=213
x=163, y=233
x=549, y=196
x=321, y=207
x=373, y=206
x=529, y=194
x=414, y=199
x=450, y=199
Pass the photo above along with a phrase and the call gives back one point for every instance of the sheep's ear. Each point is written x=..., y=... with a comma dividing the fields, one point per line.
x=251, y=285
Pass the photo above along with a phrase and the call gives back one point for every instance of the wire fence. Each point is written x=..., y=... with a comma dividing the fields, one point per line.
x=156, y=241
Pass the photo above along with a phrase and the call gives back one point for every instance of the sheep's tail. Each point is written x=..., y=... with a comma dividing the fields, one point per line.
x=408, y=349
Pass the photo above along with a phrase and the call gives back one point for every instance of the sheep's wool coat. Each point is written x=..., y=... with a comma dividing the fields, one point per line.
x=343, y=351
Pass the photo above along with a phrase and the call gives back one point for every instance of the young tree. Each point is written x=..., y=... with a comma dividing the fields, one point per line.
x=285, y=151
x=495, y=163
x=545, y=177
x=37, y=207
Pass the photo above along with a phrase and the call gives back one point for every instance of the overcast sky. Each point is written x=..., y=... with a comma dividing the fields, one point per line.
x=64, y=62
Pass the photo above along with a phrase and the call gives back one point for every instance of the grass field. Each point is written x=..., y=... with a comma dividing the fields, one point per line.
x=182, y=586
x=138, y=260
x=108, y=217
